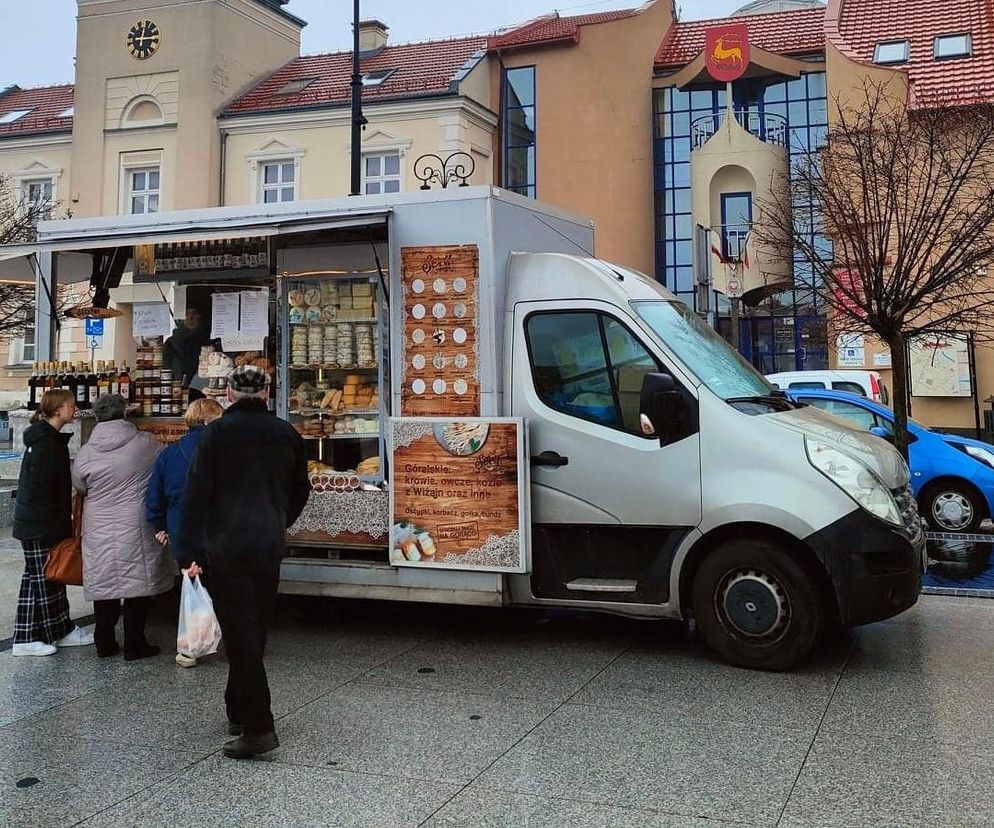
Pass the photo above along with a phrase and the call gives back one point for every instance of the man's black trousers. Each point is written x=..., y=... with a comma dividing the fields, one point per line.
x=244, y=603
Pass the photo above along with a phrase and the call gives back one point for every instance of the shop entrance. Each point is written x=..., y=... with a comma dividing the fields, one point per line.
x=781, y=343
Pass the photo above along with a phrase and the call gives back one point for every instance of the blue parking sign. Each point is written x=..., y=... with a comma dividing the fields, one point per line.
x=94, y=327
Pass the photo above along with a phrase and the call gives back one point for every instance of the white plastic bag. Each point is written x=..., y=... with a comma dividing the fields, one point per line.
x=199, y=634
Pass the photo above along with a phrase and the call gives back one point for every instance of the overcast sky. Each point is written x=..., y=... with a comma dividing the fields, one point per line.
x=38, y=37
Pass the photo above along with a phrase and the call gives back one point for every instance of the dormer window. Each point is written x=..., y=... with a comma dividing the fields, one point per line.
x=68, y=113
x=13, y=115
x=295, y=86
x=377, y=77
x=952, y=46
x=891, y=51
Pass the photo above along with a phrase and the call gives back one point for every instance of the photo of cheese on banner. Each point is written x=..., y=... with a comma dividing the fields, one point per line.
x=456, y=496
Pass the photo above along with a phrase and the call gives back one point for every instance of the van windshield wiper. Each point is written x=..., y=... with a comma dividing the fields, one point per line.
x=776, y=400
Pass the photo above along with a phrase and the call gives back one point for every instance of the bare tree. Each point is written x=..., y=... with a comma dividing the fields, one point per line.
x=18, y=220
x=906, y=198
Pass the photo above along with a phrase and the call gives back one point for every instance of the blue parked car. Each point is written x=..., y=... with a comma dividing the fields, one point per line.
x=952, y=477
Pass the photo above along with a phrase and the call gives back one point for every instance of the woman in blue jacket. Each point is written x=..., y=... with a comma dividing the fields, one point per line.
x=168, y=483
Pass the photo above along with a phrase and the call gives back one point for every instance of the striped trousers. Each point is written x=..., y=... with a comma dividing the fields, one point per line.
x=42, y=606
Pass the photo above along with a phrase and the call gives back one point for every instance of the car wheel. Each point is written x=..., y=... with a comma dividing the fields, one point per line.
x=952, y=507
x=756, y=606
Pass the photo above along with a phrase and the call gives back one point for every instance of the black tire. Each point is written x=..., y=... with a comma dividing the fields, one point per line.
x=780, y=609
x=935, y=493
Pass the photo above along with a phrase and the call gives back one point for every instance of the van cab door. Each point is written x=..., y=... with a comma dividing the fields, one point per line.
x=609, y=505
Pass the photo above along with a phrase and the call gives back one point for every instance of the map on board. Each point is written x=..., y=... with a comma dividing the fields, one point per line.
x=940, y=366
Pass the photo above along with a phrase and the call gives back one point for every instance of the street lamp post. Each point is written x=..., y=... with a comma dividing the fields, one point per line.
x=358, y=121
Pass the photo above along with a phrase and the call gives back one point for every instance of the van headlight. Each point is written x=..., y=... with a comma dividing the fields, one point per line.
x=855, y=479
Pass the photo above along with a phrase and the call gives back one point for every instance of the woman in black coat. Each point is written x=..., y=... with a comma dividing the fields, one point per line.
x=43, y=517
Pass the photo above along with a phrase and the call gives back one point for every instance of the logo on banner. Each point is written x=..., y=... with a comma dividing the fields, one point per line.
x=727, y=51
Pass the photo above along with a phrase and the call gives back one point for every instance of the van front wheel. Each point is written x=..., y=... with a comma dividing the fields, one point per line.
x=757, y=606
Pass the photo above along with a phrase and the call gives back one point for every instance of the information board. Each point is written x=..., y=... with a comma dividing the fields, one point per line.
x=940, y=366
x=440, y=370
x=458, y=493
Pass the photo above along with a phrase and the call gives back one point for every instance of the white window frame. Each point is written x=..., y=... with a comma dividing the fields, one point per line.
x=274, y=151
x=132, y=162
x=383, y=177
x=279, y=186
x=147, y=193
x=42, y=181
x=23, y=350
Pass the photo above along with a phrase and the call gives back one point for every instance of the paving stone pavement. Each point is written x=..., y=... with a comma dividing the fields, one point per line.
x=11, y=568
x=403, y=714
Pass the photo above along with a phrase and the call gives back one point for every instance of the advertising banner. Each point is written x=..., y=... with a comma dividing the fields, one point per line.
x=458, y=493
x=441, y=376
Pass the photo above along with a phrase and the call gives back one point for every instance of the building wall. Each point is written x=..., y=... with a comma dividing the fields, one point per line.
x=201, y=63
x=320, y=144
x=846, y=79
x=593, y=121
x=787, y=331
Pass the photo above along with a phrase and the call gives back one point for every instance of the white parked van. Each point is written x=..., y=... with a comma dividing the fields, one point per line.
x=655, y=473
x=865, y=383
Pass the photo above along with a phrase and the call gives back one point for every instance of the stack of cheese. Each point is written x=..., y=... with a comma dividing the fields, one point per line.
x=298, y=346
x=346, y=344
x=315, y=344
x=331, y=344
x=364, y=345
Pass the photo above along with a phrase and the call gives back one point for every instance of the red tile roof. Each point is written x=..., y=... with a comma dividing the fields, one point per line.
x=428, y=68
x=856, y=26
x=46, y=104
x=796, y=32
x=551, y=28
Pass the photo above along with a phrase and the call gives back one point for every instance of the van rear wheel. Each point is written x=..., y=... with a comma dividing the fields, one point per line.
x=757, y=606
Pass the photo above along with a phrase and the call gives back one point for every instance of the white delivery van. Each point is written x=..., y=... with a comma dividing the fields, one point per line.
x=496, y=417
x=865, y=383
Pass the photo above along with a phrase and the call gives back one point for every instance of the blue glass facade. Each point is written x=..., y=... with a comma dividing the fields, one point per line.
x=787, y=331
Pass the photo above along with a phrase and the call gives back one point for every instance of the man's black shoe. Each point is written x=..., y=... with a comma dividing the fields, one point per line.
x=147, y=651
x=234, y=729
x=251, y=744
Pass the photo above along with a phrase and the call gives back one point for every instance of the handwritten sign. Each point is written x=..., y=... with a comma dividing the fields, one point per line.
x=440, y=370
x=224, y=315
x=243, y=342
x=151, y=319
x=457, y=490
x=254, y=313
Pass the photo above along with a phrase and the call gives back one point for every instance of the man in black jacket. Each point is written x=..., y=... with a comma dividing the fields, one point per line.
x=248, y=483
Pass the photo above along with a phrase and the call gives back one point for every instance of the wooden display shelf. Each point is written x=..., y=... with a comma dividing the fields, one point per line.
x=330, y=366
x=318, y=412
x=366, y=320
x=354, y=435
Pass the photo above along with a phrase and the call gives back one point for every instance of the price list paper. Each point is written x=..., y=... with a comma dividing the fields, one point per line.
x=457, y=491
x=441, y=370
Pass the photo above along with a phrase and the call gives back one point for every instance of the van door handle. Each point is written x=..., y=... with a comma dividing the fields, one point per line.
x=550, y=459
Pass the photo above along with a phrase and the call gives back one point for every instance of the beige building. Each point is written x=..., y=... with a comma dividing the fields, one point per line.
x=928, y=54
x=200, y=103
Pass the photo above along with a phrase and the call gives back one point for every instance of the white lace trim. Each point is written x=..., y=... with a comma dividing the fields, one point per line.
x=497, y=551
x=360, y=512
x=405, y=433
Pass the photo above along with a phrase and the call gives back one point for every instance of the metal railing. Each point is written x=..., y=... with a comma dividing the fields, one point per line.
x=767, y=127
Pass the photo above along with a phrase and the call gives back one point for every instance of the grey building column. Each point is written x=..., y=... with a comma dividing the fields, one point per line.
x=45, y=266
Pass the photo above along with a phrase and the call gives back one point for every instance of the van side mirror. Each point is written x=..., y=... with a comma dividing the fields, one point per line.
x=882, y=432
x=660, y=405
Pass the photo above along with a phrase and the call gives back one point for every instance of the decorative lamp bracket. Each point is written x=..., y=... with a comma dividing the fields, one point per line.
x=433, y=169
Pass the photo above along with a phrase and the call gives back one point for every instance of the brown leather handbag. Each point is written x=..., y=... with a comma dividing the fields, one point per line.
x=65, y=560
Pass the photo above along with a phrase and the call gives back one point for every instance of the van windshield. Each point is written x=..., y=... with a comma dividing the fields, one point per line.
x=703, y=351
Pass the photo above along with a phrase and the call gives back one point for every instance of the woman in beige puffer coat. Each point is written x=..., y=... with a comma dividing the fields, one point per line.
x=121, y=559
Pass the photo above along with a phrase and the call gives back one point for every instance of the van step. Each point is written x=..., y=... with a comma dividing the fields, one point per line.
x=602, y=585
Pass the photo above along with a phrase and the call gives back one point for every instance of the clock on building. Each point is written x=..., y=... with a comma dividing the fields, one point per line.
x=143, y=39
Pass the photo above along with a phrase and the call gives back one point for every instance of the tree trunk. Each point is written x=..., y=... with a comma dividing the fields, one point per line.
x=901, y=392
